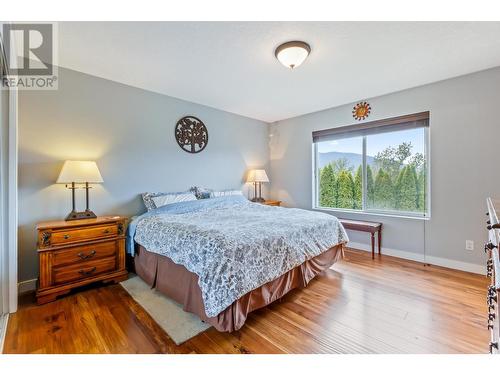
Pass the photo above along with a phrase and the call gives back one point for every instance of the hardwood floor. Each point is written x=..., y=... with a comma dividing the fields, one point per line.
x=386, y=305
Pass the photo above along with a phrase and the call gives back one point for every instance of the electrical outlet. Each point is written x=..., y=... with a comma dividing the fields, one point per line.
x=469, y=245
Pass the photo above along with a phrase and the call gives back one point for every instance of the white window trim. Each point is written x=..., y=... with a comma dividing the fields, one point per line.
x=370, y=213
x=373, y=212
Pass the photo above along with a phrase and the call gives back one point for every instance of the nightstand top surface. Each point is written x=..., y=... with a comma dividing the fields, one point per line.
x=272, y=202
x=77, y=223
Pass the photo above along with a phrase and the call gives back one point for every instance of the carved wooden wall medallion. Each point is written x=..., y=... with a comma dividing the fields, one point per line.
x=191, y=134
x=361, y=111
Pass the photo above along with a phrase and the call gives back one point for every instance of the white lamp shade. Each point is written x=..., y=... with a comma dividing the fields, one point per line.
x=257, y=175
x=79, y=172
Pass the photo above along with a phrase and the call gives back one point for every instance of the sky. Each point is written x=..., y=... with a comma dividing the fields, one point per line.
x=376, y=143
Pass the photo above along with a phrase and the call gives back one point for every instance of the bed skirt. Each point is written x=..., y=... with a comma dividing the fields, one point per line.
x=181, y=285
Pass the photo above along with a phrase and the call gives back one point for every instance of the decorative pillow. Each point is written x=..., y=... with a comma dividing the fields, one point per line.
x=201, y=192
x=148, y=198
x=163, y=200
x=224, y=193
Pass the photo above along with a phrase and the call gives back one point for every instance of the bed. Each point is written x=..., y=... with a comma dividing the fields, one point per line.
x=222, y=258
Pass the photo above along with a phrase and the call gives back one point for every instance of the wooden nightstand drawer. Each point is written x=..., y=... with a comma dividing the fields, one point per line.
x=79, y=252
x=66, y=274
x=85, y=253
x=65, y=236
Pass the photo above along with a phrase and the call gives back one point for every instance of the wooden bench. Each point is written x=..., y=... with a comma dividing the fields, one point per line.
x=365, y=226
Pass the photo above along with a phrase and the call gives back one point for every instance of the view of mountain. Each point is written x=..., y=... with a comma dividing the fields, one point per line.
x=355, y=160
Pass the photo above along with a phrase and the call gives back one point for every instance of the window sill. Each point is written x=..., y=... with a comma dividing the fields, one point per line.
x=365, y=213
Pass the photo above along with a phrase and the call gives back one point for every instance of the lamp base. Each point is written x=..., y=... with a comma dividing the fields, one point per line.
x=258, y=200
x=87, y=214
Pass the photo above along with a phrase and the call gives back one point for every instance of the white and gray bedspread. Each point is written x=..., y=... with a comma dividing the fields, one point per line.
x=233, y=245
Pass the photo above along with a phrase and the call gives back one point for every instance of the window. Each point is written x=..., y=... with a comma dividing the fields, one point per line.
x=378, y=167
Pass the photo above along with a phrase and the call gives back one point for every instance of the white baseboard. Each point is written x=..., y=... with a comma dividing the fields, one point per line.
x=443, y=262
x=4, y=319
x=457, y=265
x=26, y=286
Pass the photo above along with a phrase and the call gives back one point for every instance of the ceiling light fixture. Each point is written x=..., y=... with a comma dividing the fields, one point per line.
x=292, y=54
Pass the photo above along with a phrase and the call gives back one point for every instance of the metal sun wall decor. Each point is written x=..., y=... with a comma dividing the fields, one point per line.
x=361, y=111
x=191, y=134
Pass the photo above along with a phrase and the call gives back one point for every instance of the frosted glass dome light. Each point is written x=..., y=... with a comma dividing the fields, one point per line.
x=292, y=54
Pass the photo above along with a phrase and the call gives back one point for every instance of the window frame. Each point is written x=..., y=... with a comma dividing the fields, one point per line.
x=373, y=211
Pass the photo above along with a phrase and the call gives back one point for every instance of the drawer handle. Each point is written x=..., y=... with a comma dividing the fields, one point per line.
x=493, y=345
x=87, y=273
x=106, y=231
x=86, y=256
x=488, y=246
x=66, y=236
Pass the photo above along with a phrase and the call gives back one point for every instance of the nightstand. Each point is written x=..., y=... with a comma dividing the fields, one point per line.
x=79, y=252
x=272, y=203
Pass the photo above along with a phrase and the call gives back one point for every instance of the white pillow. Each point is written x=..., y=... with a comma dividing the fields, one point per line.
x=163, y=200
x=223, y=193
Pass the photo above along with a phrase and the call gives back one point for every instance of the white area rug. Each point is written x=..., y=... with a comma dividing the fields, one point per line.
x=179, y=324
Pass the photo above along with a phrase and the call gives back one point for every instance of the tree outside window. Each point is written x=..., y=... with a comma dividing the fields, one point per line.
x=394, y=165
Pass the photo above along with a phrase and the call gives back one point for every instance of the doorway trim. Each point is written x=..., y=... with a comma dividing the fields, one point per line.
x=9, y=214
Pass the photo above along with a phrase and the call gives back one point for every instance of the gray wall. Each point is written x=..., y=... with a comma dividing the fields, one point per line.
x=464, y=131
x=130, y=133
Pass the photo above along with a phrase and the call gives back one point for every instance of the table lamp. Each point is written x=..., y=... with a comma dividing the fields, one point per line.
x=79, y=172
x=257, y=177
